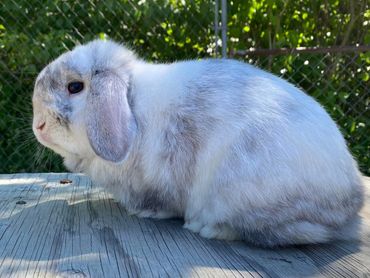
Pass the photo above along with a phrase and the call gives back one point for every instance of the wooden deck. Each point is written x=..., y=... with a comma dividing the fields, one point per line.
x=50, y=228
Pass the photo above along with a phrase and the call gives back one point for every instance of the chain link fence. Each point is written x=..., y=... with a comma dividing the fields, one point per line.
x=32, y=33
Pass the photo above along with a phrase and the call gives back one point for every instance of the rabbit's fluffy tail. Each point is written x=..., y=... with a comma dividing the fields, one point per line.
x=304, y=232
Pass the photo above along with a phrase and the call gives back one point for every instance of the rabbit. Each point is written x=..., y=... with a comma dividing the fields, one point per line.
x=238, y=153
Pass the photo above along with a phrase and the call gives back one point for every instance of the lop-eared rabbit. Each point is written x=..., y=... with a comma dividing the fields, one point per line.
x=237, y=152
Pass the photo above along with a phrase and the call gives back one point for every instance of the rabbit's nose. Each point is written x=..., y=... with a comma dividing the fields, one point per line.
x=40, y=126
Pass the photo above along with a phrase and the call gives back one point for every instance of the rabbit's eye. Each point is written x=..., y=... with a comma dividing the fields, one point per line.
x=75, y=87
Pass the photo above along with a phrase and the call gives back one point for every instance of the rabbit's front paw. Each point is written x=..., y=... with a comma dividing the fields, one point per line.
x=155, y=214
x=216, y=231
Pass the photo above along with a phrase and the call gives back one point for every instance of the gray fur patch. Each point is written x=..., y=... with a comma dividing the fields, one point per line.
x=180, y=146
x=151, y=199
x=285, y=222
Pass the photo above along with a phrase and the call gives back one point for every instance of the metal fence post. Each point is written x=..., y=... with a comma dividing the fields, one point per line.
x=216, y=28
x=224, y=27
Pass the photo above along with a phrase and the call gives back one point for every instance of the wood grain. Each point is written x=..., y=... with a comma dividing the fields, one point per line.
x=54, y=229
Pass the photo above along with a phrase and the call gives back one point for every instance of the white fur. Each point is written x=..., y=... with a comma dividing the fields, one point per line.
x=269, y=159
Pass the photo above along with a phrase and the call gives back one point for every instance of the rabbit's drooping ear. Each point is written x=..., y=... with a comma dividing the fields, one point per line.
x=110, y=124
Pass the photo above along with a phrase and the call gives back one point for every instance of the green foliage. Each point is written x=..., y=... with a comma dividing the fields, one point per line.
x=32, y=33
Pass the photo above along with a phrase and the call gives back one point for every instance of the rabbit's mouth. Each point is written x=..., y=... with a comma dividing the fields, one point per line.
x=45, y=140
x=39, y=129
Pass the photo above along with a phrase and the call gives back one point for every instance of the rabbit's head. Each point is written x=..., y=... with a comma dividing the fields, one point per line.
x=80, y=102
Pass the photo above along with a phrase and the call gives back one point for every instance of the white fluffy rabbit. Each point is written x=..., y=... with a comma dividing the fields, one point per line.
x=236, y=151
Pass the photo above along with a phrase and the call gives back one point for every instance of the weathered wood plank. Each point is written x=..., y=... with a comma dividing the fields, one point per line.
x=49, y=229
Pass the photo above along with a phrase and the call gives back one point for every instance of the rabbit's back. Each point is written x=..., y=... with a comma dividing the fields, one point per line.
x=277, y=131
